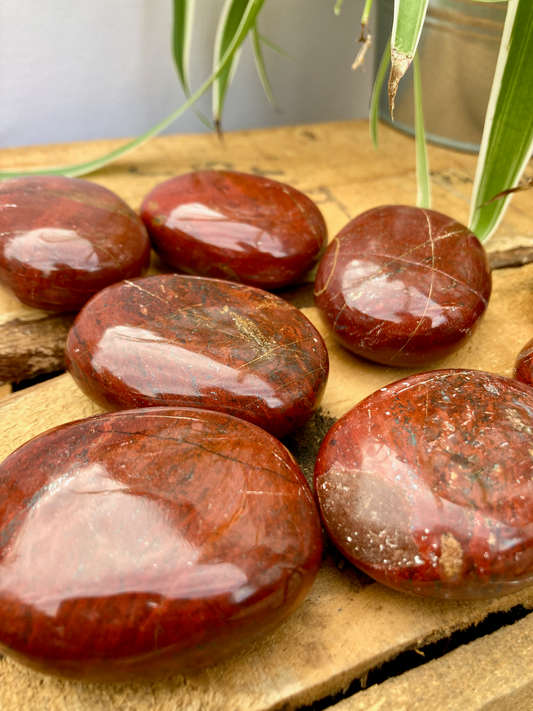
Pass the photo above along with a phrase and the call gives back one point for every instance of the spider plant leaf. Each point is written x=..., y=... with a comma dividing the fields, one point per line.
x=183, y=21
x=406, y=29
x=273, y=46
x=230, y=20
x=338, y=6
x=77, y=169
x=507, y=142
x=376, y=93
x=182, y=26
x=261, y=69
x=422, y=164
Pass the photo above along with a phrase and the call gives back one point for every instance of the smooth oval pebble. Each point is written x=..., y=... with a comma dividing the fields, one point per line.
x=403, y=286
x=235, y=226
x=523, y=367
x=150, y=542
x=190, y=341
x=63, y=239
x=427, y=484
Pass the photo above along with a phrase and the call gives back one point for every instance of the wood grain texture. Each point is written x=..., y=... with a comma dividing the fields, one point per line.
x=502, y=678
x=348, y=624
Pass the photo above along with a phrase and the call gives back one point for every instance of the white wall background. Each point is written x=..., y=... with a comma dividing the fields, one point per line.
x=75, y=70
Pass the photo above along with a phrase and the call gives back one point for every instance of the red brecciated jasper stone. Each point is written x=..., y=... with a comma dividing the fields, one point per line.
x=523, y=368
x=190, y=341
x=403, y=286
x=427, y=484
x=235, y=226
x=62, y=240
x=149, y=542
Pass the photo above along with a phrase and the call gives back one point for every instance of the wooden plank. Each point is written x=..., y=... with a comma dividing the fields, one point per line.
x=348, y=624
x=501, y=678
x=334, y=164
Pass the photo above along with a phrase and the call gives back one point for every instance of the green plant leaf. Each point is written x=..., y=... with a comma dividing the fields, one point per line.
x=230, y=20
x=261, y=69
x=366, y=12
x=423, y=198
x=273, y=46
x=182, y=27
x=338, y=6
x=406, y=29
x=254, y=6
x=376, y=93
x=507, y=142
x=181, y=39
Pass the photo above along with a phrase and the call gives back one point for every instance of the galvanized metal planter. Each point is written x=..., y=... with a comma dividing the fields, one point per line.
x=458, y=52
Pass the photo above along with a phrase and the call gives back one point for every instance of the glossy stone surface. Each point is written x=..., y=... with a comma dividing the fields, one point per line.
x=523, y=368
x=181, y=340
x=403, y=286
x=62, y=240
x=427, y=484
x=235, y=226
x=150, y=542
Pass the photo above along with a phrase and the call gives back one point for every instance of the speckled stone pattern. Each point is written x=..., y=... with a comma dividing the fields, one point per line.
x=149, y=542
x=235, y=226
x=523, y=368
x=427, y=484
x=403, y=286
x=62, y=240
x=181, y=340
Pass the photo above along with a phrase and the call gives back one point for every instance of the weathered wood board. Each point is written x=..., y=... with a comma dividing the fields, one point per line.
x=348, y=625
x=500, y=678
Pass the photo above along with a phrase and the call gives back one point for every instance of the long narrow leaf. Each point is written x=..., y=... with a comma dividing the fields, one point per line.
x=423, y=198
x=182, y=27
x=254, y=6
x=376, y=93
x=406, y=29
x=181, y=39
x=261, y=69
x=507, y=142
x=273, y=46
x=230, y=19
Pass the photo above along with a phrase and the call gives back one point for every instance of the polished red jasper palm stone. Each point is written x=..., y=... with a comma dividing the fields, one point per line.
x=150, y=542
x=427, y=484
x=182, y=340
x=63, y=239
x=523, y=367
x=235, y=226
x=403, y=286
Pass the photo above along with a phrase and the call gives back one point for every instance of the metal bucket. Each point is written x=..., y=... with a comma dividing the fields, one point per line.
x=458, y=52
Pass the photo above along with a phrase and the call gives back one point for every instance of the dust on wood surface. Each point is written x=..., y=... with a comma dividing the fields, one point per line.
x=348, y=624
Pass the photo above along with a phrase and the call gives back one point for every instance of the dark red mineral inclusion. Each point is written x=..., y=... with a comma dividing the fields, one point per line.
x=427, y=485
x=403, y=286
x=62, y=240
x=150, y=542
x=190, y=341
x=523, y=368
x=234, y=226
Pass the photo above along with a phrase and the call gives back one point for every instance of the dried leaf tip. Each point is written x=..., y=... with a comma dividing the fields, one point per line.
x=366, y=39
x=400, y=63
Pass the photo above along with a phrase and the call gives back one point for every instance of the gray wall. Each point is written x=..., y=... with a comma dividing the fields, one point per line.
x=74, y=70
